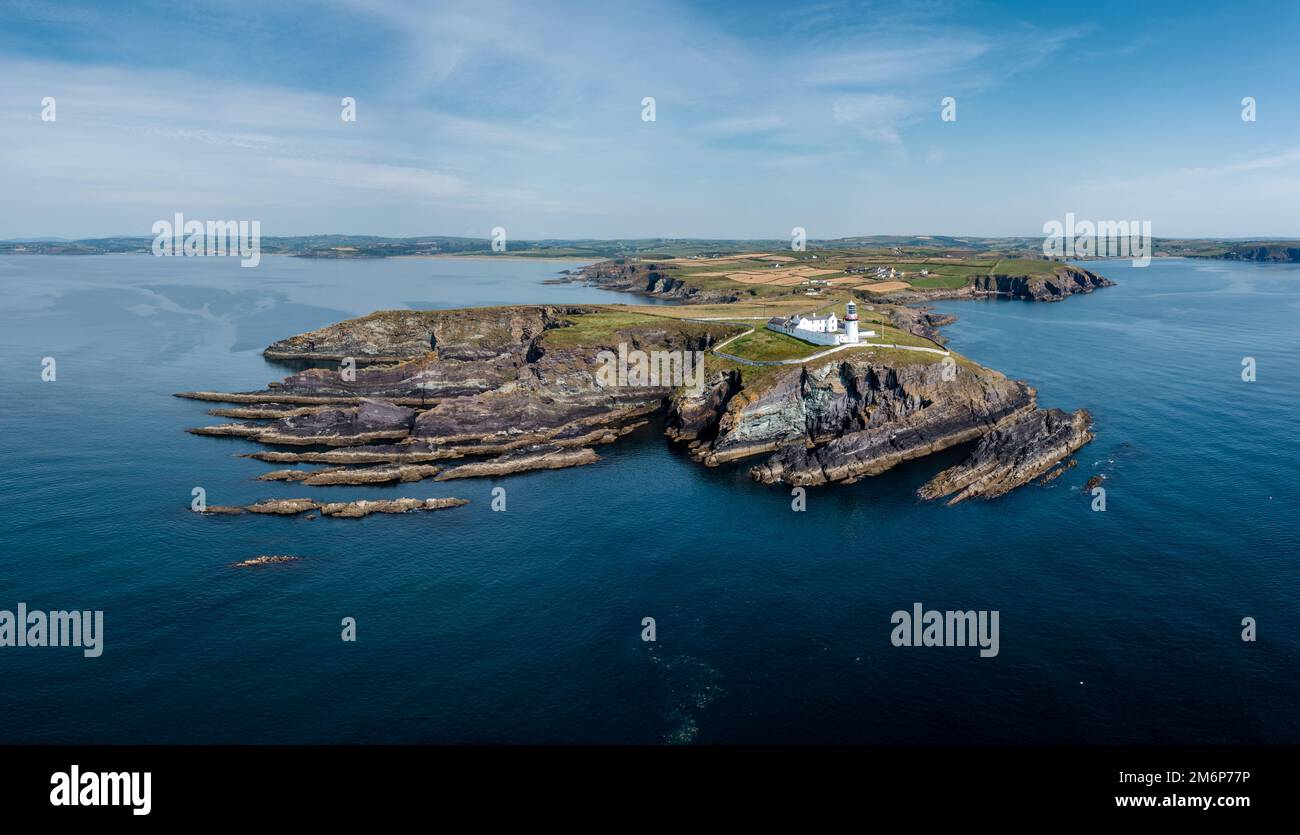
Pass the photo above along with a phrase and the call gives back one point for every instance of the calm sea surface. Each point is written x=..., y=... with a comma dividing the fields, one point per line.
x=524, y=626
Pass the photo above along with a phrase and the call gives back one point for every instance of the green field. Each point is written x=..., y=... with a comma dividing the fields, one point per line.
x=932, y=282
x=608, y=327
x=765, y=345
x=1026, y=266
x=944, y=273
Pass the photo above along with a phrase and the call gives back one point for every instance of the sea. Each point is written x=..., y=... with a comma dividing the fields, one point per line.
x=1117, y=625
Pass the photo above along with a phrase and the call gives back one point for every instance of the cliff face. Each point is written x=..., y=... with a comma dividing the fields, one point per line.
x=487, y=383
x=433, y=353
x=859, y=416
x=1067, y=281
x=694, y=417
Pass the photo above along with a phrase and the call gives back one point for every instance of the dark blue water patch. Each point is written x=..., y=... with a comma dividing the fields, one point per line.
x=525, y=626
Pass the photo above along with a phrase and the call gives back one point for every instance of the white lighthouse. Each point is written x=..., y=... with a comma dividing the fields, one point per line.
x=851, y=323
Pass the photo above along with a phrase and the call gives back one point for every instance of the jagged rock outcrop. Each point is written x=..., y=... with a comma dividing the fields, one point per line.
x=859, y=417
x=403, y=453
x=546, y=457
x=283, y=507
x=270, y=559
x=372, y=420
x=281, y=397
x=1028, y=446
x=384, y=474
x=423, y=451
x=920, y=321
x=345, y=510
x=365, y=507
x=265, y=411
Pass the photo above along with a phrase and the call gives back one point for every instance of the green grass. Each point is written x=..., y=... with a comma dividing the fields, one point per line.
x=932, y=282
x=897, y=337
x=1025, y=266
x=611, y=326
x=944, y=273
x=765, y=345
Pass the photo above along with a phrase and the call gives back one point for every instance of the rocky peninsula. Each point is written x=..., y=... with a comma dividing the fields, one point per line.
x=518, y=388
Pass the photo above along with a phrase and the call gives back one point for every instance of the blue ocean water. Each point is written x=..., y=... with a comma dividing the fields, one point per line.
x=525, y=626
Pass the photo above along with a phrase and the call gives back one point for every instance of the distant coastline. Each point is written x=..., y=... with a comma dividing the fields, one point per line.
x=435, y=246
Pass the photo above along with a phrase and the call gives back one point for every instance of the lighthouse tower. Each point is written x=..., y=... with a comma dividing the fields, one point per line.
x=851, y=323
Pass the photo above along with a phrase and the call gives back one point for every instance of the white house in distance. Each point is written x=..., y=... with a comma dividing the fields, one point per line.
x=822, y=330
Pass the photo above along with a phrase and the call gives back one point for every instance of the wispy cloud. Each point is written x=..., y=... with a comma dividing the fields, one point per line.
x=1285, y=158
x=528, y=115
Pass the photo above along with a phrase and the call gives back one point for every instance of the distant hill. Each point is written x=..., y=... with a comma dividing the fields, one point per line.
x=373, y=246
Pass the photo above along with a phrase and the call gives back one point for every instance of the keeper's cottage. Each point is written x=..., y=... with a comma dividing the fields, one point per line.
x=822, y=330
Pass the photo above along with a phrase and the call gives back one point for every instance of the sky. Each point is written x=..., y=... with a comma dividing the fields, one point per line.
x=529, y=117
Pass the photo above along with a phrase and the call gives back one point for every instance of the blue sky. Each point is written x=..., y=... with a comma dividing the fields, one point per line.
x=769, y=116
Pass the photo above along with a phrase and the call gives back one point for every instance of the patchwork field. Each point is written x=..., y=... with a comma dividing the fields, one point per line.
x=838, y=273
x=884, y=287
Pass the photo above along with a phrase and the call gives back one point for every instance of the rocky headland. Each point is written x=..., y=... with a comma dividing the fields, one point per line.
x=516, y=389
x=672, y=279
x=1064, y=281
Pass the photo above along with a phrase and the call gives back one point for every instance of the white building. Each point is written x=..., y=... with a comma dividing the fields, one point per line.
x=822, y=330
